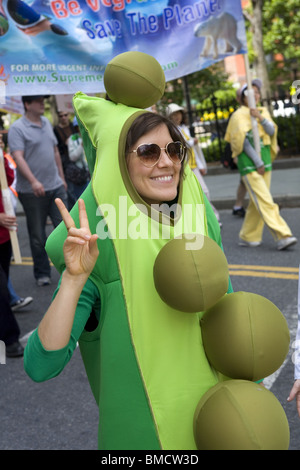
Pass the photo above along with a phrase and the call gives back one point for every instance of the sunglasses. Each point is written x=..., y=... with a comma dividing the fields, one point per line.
x=63, y=115
x=149, y=154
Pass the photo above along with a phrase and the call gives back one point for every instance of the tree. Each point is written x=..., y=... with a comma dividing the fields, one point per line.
x=281, y=30
x=255, y=17
x=274, y=27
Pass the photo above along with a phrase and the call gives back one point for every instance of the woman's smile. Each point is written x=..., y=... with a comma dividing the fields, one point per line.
x=163, y=179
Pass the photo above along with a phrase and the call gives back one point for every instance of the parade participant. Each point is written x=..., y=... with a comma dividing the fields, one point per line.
x=40, y=178
x=63, y=131
x=141, y=257
x=148, y=186
x=9, y=328
x=16, y=302
x=256, y=171
x=77, y=169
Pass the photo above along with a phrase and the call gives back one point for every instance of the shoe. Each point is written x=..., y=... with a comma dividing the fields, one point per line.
x=43, y=281
x=21, y=303
x=286, y=242
x=240, y=212
x=250, y=244
x=14, y=350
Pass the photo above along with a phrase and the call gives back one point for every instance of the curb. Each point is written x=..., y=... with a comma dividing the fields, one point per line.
x=278, y=164
x=282, y=201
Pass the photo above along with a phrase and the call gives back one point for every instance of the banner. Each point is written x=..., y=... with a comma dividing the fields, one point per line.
x=12, y=104
x=63, y=46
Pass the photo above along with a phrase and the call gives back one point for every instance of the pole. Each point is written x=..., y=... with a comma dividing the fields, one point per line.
x=252, y=104
x=8, y=208
x=217, y=123
x=188, y=104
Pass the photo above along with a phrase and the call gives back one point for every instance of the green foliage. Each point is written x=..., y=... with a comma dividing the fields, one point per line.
x=281, y=27
x=281, y=38
x=288, y=134
x=202, y=86
x=213, y=152
x=281, y=30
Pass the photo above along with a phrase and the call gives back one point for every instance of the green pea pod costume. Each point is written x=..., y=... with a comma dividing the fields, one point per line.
x=145, y=361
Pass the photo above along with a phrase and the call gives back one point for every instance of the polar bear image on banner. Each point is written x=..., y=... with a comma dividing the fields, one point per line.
x=218, y=29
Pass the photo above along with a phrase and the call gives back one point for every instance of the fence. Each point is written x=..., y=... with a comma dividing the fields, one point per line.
x=209, y=125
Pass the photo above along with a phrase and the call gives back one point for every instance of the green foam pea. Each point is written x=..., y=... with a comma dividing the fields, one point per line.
x=240, y=415
x=135, y=79
x=191, y=280
x=245, y=336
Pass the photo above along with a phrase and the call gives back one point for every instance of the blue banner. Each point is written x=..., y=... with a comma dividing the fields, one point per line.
x=63, y=46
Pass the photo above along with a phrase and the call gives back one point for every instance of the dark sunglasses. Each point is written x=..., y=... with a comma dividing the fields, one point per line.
x=63, y=115
x=149, y=154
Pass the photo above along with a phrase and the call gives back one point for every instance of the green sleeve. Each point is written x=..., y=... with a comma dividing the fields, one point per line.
x=41, y=364
x=214, y=231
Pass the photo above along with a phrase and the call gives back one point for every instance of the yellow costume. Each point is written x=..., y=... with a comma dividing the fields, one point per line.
x=262, y=209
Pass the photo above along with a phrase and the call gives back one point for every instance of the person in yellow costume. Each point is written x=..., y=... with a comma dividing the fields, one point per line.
x=256, y=171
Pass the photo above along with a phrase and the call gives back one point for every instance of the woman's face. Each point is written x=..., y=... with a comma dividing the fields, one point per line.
x=176, y=117
x=159, y=183
x=256, y=96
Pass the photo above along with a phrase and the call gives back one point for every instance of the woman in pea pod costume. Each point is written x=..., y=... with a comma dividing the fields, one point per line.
x=133, y=298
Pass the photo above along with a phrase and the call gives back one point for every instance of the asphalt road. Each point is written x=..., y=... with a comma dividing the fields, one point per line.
x=61, y=413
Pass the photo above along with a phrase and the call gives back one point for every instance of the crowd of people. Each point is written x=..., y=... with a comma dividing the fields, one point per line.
x=51, y=175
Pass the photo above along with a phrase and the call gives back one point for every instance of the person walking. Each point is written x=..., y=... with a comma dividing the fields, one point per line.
x=153, y=157
x=40, y=178
x=77, y=172
x=16, y=302
x=133, y=296
x=9, y=328
x=63, y=131
x=256, y=171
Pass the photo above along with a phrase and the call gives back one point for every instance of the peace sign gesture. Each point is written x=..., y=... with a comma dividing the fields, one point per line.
x=80, y=247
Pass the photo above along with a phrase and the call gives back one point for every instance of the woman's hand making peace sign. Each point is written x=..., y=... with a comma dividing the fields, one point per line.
x=80, y=247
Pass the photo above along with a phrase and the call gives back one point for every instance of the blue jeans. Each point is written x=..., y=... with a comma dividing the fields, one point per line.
x=74, y=192
x=14, y=297
x=37, y=209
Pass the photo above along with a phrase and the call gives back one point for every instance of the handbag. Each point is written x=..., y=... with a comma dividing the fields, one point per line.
x=75, y=174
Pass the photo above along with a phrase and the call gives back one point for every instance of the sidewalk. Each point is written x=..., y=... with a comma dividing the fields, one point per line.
x=285, y=186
